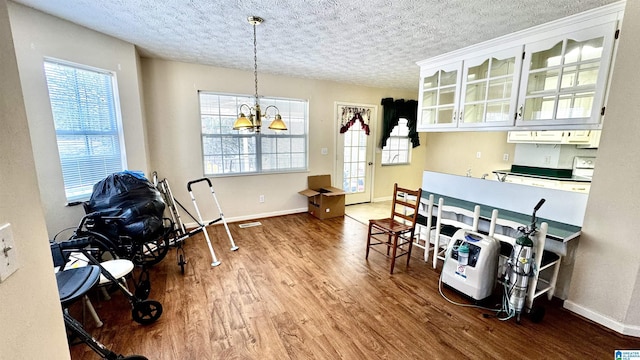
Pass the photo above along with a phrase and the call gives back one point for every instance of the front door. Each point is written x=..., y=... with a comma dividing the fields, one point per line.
x=354, y=153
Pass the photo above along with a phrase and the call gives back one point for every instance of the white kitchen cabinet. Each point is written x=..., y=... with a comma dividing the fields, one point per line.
x=550, y=77
x=584, y=138
x=593, y=140
x=566, y=185
x=521, y=136
x=548, y=136
x=439, y=96
x=564, y=78
x=477, y=92
x=577, y=136
x=489, y=89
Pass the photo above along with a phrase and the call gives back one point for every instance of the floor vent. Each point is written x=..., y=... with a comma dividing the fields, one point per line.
x=251, y=224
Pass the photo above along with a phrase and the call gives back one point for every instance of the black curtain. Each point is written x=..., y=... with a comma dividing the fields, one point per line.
x=392, y=112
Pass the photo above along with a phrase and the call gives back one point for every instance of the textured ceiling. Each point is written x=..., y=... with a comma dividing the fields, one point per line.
x=365, y=42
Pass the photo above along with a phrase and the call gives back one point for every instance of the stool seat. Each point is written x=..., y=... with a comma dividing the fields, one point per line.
x=74, y=283
x=119, y=268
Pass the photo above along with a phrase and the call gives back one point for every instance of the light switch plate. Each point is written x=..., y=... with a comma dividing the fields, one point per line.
x=8, y=255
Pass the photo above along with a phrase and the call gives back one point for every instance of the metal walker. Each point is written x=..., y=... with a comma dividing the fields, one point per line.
x=181, y=233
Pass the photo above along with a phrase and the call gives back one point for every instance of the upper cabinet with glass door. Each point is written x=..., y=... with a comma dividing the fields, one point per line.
x=552, y=76
x=564, y=78
x=490, y=89
x=439, y=95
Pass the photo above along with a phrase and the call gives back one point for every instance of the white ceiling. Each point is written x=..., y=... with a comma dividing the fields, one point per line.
x=365, y=42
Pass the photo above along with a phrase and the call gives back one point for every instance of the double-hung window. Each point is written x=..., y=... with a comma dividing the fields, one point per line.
x=397, y=150
x=231, y=152
x=86, y=115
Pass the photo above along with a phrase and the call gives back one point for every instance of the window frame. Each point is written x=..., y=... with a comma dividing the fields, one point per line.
x=117, y=131
x=394, y=135
x=258, y=155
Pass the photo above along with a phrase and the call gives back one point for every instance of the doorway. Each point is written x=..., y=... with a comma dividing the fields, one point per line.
x=355, y=151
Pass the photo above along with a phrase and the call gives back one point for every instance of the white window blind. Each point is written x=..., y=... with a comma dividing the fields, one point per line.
x=226, y=151
x=87, y=123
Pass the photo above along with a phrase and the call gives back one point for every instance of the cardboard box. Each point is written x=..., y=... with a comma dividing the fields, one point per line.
x=325, y=201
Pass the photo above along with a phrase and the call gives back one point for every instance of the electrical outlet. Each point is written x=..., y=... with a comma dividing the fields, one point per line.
x=261, y=198
x=478, y=155
x=324, y=151
x=505, y=157
x=547, y=160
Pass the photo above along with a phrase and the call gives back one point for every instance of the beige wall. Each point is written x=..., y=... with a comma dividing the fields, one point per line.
x=31, y=325
x=36, y=36
x=605, y=280
x=173, y=123
x=455, y=152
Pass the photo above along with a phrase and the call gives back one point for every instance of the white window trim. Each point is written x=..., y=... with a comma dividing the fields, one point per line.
x=116, y=111
x=265, y=124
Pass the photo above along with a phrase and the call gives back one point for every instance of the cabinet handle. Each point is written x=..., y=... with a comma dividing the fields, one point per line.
x=520, y=109
x=460, y=117
x=453, y=119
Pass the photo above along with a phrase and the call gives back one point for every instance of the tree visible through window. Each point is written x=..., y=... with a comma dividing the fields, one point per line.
x=87, y=123
x=397, y=150
x=226, y=151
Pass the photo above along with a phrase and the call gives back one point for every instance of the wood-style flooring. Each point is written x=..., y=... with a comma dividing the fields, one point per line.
x=300, y=288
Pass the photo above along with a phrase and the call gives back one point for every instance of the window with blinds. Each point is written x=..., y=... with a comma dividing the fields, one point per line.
x=88, y=128
x=231, y=152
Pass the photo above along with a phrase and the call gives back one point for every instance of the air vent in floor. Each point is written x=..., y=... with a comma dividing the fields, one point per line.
x=251, y=224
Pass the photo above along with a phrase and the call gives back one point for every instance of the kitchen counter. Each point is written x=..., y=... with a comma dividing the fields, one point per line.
x=563, y=210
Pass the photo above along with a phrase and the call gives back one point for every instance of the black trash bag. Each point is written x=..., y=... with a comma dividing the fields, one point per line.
x=145, y=227
x=131, y=197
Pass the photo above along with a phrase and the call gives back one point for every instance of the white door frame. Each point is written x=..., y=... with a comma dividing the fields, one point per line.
x=339, y=149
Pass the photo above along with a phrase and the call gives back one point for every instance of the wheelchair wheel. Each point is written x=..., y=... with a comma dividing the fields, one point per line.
x=152, y=252
x=101, y=248
x=146, y=312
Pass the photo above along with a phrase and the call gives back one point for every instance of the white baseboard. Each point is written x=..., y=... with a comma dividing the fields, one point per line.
x=254, y=216
x=624, y=329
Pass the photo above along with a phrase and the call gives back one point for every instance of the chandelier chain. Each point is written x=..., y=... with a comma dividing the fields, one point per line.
x=255, y=60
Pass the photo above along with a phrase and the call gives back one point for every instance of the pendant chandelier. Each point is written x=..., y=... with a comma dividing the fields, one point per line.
x=254, y=121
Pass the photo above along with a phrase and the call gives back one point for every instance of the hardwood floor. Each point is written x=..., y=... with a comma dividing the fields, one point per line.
x=300, y=288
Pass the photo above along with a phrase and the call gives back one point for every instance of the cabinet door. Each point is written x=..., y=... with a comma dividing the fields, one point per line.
x=489, y=89
x=594, y=140
x=564, y=78
x=520, y=136
x=549, y=136
x=439, y=96
x=577, y=137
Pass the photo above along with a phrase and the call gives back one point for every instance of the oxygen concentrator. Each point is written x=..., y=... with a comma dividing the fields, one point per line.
x=471, y=264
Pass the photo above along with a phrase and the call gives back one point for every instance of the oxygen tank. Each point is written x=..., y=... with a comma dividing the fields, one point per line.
x=520, y=268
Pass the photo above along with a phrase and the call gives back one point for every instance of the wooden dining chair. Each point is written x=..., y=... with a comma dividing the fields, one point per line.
x=397, y=231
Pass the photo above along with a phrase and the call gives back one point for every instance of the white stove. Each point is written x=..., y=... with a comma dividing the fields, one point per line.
x=583, y=166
